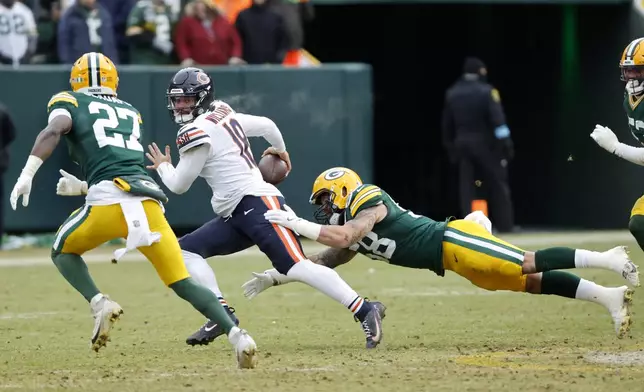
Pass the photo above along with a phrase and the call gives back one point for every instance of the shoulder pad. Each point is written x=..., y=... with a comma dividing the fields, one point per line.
x=63, y=97
x=365, y=196
x=191, y=135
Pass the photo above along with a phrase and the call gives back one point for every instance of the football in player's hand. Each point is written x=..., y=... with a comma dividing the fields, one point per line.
x=273, y=169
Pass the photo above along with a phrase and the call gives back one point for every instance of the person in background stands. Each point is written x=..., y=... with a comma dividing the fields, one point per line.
x=207, y=38
x=263, y=34
x=475, y=135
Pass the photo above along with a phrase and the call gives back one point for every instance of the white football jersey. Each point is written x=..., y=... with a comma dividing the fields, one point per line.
x=17, y=24
x=230, y=169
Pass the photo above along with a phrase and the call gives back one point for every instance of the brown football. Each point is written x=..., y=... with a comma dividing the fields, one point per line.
x=273, y=169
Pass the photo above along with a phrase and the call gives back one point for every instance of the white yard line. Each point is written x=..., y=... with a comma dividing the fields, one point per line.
x=610, y=237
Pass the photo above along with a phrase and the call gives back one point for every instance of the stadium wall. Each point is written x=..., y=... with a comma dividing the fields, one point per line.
x=325, y=115
x=556, y=67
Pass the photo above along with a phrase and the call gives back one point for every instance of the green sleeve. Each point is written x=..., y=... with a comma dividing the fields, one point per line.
x=365, y=196
x=62, y=100
x=136, y=17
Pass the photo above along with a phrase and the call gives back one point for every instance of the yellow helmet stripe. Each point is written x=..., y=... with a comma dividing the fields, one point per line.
x=630, y=51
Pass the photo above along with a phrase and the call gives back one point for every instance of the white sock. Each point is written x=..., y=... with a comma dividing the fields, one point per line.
x=591, y=291
x=328, y=282
x=589, y=259
x=234, y=335
x=202, y=273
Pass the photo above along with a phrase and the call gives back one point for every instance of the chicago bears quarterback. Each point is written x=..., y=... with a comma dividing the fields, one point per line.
x=363, y=218
x=213, y=144
x=632, y=72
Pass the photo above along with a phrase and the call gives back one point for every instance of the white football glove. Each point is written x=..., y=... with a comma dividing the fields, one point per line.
x=259, y=283
x=480, y=218
x=286, y=218
x=22, y=188
x=605, y=138
x=69, y=185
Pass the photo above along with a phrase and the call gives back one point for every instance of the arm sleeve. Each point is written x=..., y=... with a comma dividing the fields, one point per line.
x=262, y=126
x=179, y=179
x=63, y=104
x=630, y=153
x=365, y=196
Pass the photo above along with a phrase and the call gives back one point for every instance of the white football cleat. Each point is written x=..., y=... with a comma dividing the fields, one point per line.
x=245, y=348
x=622, y=264
x=619, y=307
x=106, y=312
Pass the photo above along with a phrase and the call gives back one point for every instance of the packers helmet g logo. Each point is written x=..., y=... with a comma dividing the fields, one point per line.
x=334, y=175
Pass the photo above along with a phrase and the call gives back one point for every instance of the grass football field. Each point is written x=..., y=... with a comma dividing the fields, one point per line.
x=441, y=334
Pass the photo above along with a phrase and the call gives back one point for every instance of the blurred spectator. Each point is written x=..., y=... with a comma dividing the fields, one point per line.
x=476, y=136
x=263, y=34
x=207, y=38
x=18, y=34
x=119, y=11
x=294, y=13
x=149, y=31
x=7, y=135
x=47, y=49
x=86, y=27
x=230, y=9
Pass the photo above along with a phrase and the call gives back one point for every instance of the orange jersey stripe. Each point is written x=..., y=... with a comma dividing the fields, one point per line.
x=280, y=233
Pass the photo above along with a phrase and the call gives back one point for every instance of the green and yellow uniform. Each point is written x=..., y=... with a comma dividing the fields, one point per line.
x=405, y=239
x=150, y=27
x=104, y=141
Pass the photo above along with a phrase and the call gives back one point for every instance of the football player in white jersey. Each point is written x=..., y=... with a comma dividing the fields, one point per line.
x=213, y=144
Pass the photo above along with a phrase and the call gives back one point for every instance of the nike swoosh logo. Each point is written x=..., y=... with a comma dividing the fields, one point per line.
x=211, y=328
x=246, y=212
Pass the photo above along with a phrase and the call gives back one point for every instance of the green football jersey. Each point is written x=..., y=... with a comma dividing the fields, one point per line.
x=155, y=19
x=635, y=112
x=402, y=237
x=104, y=139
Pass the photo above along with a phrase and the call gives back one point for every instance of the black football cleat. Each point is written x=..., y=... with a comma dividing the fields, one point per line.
x=210, y=331
x=372, y=324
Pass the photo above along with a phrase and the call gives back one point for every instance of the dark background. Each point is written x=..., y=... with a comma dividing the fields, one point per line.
x=556, y=67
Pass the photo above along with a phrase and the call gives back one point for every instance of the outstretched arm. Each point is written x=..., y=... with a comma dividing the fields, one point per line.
x=178, y=179
x=331, y=235
x=48, y=138
x=261, y=281
x=608, y=141
x=45, y=143
x=333, y=257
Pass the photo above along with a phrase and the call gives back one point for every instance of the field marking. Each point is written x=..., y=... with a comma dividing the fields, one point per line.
x=101, y=255
x=524, y=360
x=25, y=316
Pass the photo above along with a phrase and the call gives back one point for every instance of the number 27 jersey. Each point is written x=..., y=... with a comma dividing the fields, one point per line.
x=230, y=170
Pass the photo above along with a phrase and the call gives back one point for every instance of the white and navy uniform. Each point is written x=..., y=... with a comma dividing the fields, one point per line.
x=17, y=27
x=215, y=147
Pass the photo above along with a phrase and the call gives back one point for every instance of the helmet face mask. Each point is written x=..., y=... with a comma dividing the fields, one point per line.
x=331, y=191
x=328, y=213
x=189, y=95
x=631, y=67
